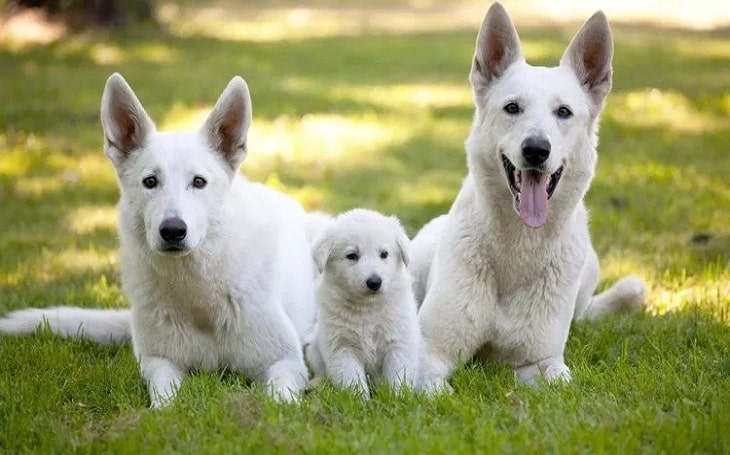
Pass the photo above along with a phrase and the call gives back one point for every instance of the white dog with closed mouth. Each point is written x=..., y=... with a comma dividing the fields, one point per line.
x=368, y=327
x=513, y=262
x=217, y=270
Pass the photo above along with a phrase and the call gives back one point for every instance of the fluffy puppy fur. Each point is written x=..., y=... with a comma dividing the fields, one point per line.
x=368, y=325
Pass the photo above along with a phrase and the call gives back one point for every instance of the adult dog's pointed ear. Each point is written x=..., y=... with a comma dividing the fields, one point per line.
x=226, y=128
x=322, y=248
x=498, y=47
x=589, y=55
x=126, y=124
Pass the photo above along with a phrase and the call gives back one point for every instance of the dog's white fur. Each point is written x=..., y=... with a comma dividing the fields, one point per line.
x=236, y=291
x=422, y=249
x=507, y=286
x=362, y=332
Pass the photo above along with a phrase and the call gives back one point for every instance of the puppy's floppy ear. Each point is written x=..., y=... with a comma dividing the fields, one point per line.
x=498, y=47
x=589, y=55
x=126, y=124
x=401, y=241
x=322, y=248
x=226, y=128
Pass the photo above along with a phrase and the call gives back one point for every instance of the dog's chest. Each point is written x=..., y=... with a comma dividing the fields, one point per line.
x=372, y=347
x=186, y=318
x=535, y=298
x=365, y=332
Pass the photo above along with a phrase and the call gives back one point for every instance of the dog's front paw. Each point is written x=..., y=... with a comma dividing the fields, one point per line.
x=284, y=394
x=630, y=292
x=160, y=402
x=557, y=373
x=549, y=370
x=436, y=386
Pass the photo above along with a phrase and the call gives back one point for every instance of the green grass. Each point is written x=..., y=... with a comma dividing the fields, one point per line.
x=375, y=120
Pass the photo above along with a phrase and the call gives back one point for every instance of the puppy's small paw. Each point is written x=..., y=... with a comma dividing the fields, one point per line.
x=630, y=292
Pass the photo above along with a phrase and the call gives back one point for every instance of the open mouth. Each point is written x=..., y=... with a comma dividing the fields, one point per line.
x=531, y=190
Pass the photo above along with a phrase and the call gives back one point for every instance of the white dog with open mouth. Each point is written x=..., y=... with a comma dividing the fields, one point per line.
x=512, y=262
x=368, y=327
x=217, y=270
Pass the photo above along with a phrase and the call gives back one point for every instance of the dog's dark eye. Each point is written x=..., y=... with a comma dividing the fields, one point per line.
x=199, y=182
x=353, y=256
x=149, y=182
x=383, y=255
x=564, y=112
x=512, y=108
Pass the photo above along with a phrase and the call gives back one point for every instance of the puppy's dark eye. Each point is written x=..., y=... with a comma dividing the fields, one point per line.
x=383, y=255
x=199, y=182
x=149, y=182
x=512, y=108
x=564, y=112
x=353, y=256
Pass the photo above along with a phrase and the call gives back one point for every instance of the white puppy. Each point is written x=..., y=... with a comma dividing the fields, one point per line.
x=368, y=324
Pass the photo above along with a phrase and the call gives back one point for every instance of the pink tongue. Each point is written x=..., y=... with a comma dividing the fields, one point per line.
x=533, y=198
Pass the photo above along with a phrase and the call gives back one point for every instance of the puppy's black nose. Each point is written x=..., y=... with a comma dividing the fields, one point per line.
x=535, y=150
x=173, y=230
x=374, y=282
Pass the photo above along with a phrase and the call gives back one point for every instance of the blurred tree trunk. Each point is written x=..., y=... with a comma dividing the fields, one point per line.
x=84, y=13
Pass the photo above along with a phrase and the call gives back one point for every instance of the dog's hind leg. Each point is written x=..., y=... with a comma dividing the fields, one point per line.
x=163, y=380
x=626, y=295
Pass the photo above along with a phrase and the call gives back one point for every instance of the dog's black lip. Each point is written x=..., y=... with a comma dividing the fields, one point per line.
x=510, y=169
x=173, y=248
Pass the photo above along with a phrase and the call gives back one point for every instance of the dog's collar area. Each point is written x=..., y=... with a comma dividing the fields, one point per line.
x=515, y=176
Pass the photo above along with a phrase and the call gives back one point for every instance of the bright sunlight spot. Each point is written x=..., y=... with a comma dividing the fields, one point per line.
x=111, y=54
x=235, y=22
x=313, y=138
x=661, y=108
x=88, y=219
x=405, y=97
x=84, y=260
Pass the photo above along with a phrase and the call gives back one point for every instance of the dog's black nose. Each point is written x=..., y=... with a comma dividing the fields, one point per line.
x=535, y=150
x=374, y=282
x=173, y=230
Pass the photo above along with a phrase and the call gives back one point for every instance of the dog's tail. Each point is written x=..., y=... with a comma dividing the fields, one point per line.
x=626, y=295
x=101, y=326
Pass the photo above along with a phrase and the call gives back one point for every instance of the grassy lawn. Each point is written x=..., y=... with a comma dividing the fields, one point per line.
x=372, y=118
